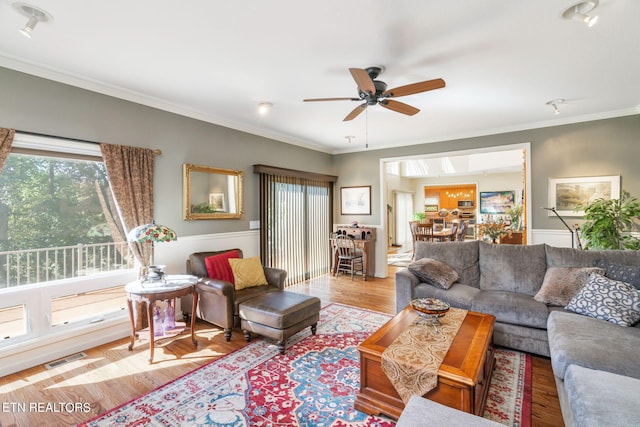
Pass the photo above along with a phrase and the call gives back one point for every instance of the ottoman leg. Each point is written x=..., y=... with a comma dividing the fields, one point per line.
x=227, y=334
x=247, y=336
x=314, y=327
x=281, y=346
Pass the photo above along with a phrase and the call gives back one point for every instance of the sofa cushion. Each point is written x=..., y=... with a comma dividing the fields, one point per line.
x=421, y=412
x=567, y=257
x=514, y=268
x=607, y=299
x=218, y=266
x=560, y=284
x=458, y=295
x=512, y=307
x=247, y=272
x=461, y=256
x=592, y=343
x=434, y=272
x=599, y=398
x=623, y=273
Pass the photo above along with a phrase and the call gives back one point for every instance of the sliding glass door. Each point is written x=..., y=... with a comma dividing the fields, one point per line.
x=295, y=225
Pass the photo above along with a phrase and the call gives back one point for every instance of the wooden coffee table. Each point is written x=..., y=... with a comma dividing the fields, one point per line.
x=463, y=378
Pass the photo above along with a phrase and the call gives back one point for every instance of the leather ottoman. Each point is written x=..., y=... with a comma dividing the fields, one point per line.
x=279, y=315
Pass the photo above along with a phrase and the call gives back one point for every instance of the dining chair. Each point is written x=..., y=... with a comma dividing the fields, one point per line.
x=462, y=231
x=454, y=232
x=349, y=260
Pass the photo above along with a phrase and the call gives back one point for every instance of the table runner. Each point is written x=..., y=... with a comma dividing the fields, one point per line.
x=412, y=361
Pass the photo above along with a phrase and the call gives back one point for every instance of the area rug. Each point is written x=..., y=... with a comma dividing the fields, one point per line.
x=313, y=384
x=400, y=260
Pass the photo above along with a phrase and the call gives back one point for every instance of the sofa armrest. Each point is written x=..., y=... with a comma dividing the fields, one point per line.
x=405, y=282
x=214, y=286
x=275, y=276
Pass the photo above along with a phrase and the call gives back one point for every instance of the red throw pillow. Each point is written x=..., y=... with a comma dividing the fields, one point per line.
x=218, y=266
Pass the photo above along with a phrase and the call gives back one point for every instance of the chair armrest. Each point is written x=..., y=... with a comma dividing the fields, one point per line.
x=405, y=282
x=214, y=286
x=275, y=276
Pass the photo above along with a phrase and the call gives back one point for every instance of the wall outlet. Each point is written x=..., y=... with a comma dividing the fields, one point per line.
x=254, y=225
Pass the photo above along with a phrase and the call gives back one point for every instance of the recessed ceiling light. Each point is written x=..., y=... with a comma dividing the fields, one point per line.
x=35, y=15
x=264, y=108
x=579, y=11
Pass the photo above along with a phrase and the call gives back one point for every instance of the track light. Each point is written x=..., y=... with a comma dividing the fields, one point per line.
x=579, y=11
x=28, y=29
x=35, y=15
x=554, y=105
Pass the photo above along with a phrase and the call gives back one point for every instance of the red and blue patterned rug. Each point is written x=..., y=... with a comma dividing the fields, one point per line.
x=313, y=384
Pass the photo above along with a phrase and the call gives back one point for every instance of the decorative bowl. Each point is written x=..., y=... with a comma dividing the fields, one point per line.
x=431, y=307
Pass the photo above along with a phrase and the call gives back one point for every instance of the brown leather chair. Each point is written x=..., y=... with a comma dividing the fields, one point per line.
x=218, y=300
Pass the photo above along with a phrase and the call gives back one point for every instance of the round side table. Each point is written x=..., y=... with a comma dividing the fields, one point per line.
x=173, y=286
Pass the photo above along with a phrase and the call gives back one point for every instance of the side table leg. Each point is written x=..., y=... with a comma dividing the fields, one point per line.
x=152, y=336
x=133, y=324
x=193, y=316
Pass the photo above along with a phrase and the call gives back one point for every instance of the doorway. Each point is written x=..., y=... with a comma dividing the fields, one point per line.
x=482, y=166
x=403, y=213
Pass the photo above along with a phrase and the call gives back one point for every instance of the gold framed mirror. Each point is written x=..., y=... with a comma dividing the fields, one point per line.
x=211, y=193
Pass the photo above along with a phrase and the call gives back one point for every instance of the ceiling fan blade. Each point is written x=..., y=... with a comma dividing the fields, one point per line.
x=364, y=82
x=399, y=107
x=330, y=99
x=356, y=111
x=415, y=88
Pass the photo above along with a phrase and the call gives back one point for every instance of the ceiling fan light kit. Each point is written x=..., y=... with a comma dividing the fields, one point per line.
x=375, y=92
x=579, y=12
x=34, y=15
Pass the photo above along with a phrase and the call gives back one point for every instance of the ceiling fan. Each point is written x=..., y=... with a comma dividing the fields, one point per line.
x=373, y=92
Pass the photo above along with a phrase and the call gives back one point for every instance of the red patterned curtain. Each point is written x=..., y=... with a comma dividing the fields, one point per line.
x=6, y=140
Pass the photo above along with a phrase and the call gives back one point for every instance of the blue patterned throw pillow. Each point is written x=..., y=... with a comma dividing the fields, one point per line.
x=607, y=299
x=623, y=273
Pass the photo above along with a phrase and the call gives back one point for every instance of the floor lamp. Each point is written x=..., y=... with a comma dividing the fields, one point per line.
x=553, y=209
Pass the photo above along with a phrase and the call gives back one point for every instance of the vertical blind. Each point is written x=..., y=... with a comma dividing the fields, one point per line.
x=296, y=219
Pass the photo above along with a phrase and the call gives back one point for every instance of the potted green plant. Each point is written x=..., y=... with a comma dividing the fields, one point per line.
x=419, y=216
x=608, y=223
x=515, y=217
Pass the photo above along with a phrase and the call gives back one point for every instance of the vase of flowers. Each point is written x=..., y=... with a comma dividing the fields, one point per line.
x=493, y=229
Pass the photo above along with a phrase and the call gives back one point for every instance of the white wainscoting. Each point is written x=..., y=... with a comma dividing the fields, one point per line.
x=174, y=254
x=557, y=238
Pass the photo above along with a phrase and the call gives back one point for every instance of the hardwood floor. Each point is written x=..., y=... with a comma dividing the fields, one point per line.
x=110, y=375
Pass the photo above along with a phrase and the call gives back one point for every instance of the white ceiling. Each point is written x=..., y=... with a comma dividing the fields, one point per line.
x=215, y=61
x=480, y=163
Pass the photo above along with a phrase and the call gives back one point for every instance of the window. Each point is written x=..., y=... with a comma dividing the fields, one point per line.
x=61, y=243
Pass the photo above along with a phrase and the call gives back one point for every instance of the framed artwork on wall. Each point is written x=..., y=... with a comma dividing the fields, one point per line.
x=216, y=200
x=355, y=200
x=566, y=194
x=496, y=202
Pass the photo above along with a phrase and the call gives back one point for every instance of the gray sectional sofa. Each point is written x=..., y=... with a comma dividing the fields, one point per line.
x=592, y=359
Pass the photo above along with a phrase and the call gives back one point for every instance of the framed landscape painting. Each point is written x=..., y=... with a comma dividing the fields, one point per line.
x=496, y=202
x=355, y=200
x=566, y=194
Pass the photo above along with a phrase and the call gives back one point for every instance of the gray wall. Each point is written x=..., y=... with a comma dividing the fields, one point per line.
x=602, y=147
x=37, y=105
